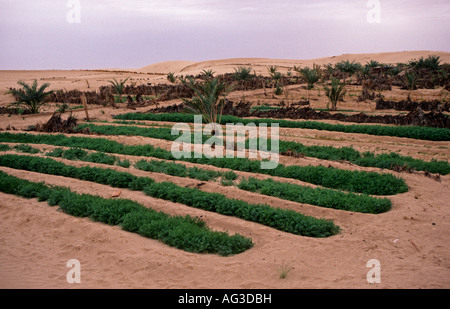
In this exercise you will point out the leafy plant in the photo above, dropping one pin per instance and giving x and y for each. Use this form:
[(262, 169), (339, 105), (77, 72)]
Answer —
[(4, 147), (31, 97), (416, 132), (119, 86), (347, 67), (317, 196), (410, 80), (243, 75), (209, 99), (171, 78), (285, 269), (284, 220), (185, 233), (26, 149), (208, 74), (335, 92), (311, 76)]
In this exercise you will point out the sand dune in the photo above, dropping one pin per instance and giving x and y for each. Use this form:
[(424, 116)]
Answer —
[(260, 64)]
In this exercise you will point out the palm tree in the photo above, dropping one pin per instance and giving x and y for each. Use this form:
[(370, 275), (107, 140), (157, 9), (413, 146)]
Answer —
[(348, 68), (171, 78), (31, 97), (209, 74), (335, 92), (119, 86), (243, 74), (311, 76), (410, 80), (209, 98)]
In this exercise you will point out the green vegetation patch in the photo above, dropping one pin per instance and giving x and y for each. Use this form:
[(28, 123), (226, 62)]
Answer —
[(355, 181), (317, 196), (424, 133), (284, 220), (185, 233)]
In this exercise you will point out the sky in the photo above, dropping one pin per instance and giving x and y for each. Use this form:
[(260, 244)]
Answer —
[(94, 34)]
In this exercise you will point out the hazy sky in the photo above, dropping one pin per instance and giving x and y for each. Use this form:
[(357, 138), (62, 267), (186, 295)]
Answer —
[(89, 34)]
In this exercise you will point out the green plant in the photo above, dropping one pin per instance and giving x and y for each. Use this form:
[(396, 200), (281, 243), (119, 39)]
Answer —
[(410, 80), (317, 196), (119, 86), (208, 100), (26, 149), (415, 132), (185, 233), (243, 75), (123, 163), (363, 182), (311, 76), (208, 74), (284, 220), (348, 68), (335, 92), (4, 147), (432, 62), (171, 77), (278, 90), (285, 269), (30, 96)]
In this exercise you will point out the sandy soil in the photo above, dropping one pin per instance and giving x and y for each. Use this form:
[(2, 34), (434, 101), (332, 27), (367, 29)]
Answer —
[(410, 241)]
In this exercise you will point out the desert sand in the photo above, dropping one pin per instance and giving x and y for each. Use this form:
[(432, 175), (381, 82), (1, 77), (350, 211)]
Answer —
[(411, 241)]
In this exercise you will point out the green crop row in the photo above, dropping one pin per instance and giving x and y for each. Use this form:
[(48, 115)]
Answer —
[(284, 220), (83, 155), (354, 181), (180, 170), (367, 159), (4, 147), (415, 132), (184, 233), (169, 168), (317, 196)]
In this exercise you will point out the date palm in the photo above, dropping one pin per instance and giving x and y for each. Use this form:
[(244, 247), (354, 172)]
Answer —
[(335, 92), (209, 98), (311, 76), (243, 74), (119, 86), (30, 96), (171, 78)]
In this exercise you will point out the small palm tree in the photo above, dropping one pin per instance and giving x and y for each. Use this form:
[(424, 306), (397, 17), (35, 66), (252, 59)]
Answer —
[(348, 68), (182, 79), (171, 78), (410, 80), (209, 99), (119, 86), (311, 76), (335, 92), (31, 97), (243, 74), (209, 74)]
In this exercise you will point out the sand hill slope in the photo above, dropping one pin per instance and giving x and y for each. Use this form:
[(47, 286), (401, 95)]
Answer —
[(260, 64)]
